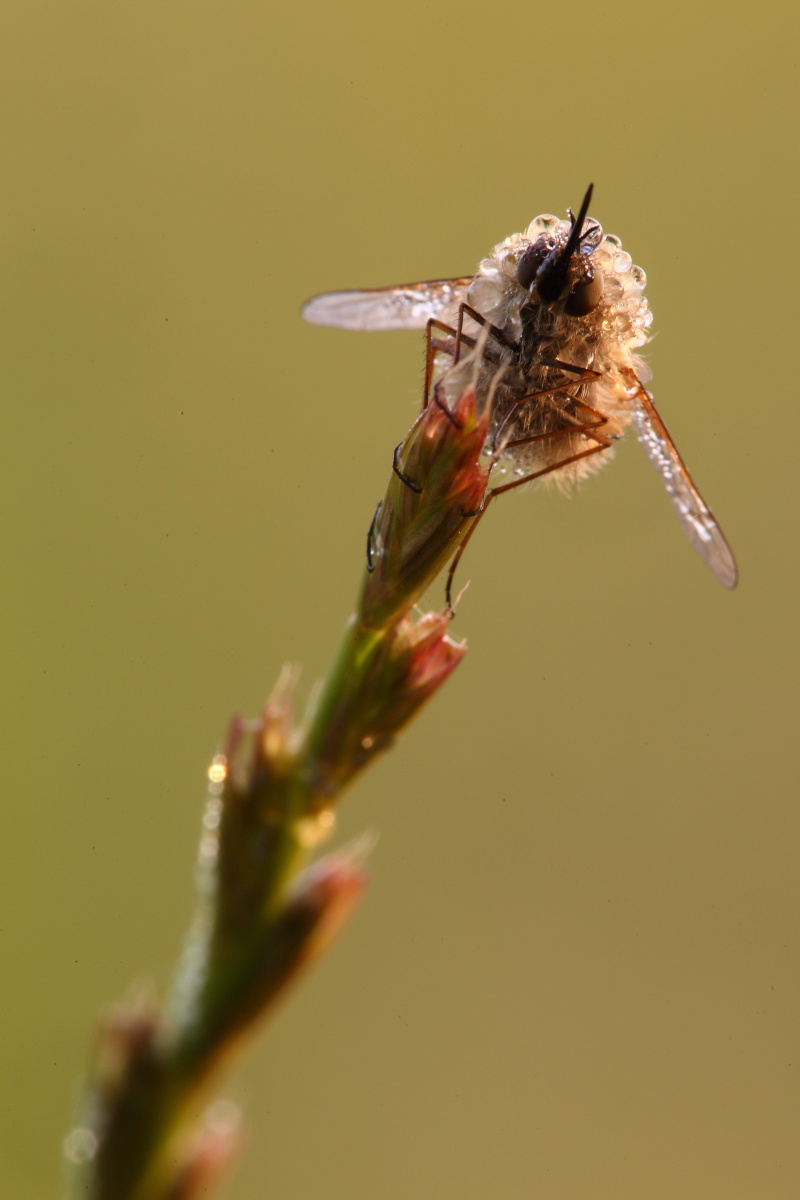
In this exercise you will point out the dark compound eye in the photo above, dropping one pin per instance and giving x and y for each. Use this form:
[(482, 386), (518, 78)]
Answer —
[(585, 296), (531, 259)]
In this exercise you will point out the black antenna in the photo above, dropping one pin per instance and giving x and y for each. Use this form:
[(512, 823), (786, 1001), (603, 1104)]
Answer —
[(552, 275)]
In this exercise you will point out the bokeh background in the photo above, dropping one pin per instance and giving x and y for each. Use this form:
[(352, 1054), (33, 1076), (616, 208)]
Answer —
[(576, 972)]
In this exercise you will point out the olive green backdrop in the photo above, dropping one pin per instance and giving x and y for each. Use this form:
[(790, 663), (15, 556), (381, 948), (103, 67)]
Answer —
[(575, 974)]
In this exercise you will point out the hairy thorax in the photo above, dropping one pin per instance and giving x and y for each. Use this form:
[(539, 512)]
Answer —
[(527, 365)]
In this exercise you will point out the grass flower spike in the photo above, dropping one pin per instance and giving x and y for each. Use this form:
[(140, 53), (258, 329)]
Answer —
[(149, 1129)]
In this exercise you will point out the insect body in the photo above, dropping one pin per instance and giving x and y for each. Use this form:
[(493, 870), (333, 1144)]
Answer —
[(554, 316)]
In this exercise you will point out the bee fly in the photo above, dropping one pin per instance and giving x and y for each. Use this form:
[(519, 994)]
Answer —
[(559, 311)]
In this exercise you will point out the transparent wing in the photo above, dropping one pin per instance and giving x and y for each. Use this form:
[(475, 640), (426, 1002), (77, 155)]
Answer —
[(408, 306), (696, 517)]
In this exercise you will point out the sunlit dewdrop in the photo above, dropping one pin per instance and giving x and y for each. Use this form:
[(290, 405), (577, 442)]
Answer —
[(218, 771), (312, 831)]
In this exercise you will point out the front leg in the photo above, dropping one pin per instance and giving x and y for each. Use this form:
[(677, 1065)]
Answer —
[(434, 346), (479, 319)]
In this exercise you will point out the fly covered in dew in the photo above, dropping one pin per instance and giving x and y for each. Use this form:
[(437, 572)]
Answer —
[(555, 317)]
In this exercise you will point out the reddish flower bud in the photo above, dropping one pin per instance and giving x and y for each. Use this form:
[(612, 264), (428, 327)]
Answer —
[(426, 513)]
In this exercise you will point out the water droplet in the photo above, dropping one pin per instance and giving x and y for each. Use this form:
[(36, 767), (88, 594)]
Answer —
[(311, 831), (208, 849), (80, 1145), (212, 816), (218, 771)]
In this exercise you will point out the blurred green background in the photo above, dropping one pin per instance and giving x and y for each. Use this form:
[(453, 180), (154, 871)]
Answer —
[(576, 971)]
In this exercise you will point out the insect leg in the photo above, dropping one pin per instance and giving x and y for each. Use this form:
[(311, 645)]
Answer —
[(584, 372), (437, 400), (433, 346), (587, 428), (551, 391), (507, 487), (479, 319), (564, 462), (403, 478), (456, 338), (462, 547)]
